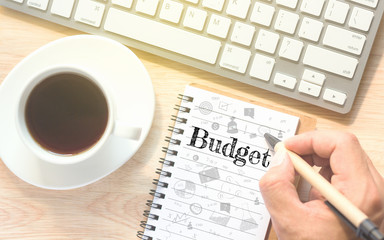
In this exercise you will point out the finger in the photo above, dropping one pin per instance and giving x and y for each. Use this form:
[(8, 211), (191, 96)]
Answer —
[(278, 189), (343, 149), (376, 176), (315, 160), (320, 162)]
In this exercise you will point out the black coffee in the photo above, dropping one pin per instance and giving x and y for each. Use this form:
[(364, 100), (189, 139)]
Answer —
[(66, 113)]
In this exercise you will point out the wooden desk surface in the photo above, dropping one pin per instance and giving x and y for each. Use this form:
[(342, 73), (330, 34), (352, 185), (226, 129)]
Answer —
[(112, 207)]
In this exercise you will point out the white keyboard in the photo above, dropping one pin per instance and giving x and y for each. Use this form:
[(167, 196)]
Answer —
[(311, 50)]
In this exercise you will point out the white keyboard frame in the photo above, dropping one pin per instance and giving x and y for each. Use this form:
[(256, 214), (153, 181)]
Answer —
[(333, 81)]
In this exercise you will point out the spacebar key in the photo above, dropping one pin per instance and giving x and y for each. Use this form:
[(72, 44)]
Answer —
[(330, 61), (161, 35)]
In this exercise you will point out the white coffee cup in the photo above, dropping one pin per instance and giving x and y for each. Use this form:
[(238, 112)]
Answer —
[(32, 138)]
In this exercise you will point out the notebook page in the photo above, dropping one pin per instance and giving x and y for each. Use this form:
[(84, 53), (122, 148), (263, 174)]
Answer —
[(213, 190)]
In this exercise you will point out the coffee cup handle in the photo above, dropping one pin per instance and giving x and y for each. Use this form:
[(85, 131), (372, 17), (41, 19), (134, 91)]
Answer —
[(124, 130)]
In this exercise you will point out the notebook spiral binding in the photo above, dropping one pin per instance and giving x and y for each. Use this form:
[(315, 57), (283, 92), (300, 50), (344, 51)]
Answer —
[(172, 142)]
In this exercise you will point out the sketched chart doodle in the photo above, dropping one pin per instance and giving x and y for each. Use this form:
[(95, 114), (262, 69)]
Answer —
[(249, 112), (190, 227), (195, 158), (185, 189), (280, 134), (225, 206), (247, 222), (215, 126), (263, 130), (223, 106), (195, 208), (257, 201), (205, 108), (220, 218), (232, 126), (229, 189), (209, 175)]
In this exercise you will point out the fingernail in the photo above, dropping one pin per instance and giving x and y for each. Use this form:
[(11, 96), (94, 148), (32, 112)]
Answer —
[(278, 158)]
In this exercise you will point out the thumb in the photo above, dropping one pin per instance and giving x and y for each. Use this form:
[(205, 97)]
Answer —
[(278, 188)]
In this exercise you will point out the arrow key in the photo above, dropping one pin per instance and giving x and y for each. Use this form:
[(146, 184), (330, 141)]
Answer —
[(309, 88), (313, 77), (334, 96), (284, 80)]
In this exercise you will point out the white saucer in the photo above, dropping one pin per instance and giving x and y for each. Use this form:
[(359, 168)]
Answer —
[(131, 88)]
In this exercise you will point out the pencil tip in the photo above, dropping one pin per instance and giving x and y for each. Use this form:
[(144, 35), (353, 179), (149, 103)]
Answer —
[(271, 140)]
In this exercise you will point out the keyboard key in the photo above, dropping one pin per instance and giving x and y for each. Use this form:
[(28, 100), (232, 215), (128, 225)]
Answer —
[(62, 7), (39, 4), (235, 58), (147, 6), (242, 33), (214, 4), (313, 7), (360, 19), (89, 12), (336, 11), (368, 3), (195, 18), (267, 41), (218, 26), (344, 40), (163, 36), (288, 3), (291, 49), (310, 29), (171, 11), (330, 61), (262, 67), (334, 96), (286, 21), (238, 8), (313, 77), (284, 81), (123, 3), (262, 14), (309, 88)]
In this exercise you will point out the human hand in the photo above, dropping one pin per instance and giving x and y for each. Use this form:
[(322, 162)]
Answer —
[(344, 164)]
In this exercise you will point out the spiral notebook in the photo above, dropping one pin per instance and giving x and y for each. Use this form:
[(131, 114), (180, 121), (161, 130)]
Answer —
[(208, 184)]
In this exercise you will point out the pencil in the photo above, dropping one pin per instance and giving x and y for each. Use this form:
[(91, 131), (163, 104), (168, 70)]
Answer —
[(338, 203)]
